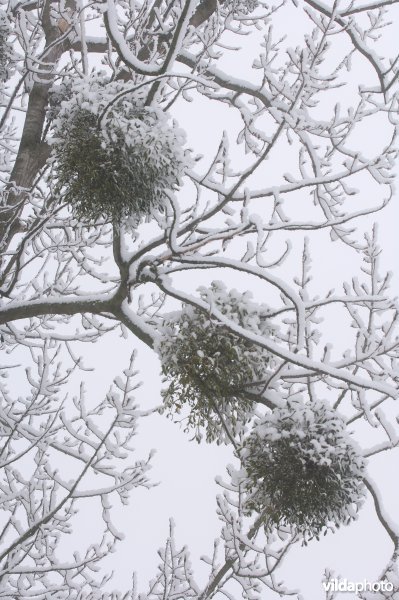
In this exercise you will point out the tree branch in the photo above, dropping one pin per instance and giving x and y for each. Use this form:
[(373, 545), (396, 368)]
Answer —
[(379, 509), (276, 349)]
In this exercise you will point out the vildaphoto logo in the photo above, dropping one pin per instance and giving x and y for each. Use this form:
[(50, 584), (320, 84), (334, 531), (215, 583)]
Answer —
[(343, 585)]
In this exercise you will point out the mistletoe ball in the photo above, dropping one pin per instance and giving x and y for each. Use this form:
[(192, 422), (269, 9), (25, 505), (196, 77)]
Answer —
[(208, 366), (243, 7), (303, 469), (6, 52), (114, 158)]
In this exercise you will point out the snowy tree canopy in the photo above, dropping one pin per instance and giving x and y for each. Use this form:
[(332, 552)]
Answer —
[(211, 181)]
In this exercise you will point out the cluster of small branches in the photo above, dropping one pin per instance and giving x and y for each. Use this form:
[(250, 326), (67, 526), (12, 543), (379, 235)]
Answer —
[(38, 501)]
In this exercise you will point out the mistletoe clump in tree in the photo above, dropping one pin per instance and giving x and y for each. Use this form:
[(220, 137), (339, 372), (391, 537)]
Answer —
[(303, 469), (114, 157), (209, 366), (244, 7), (6, 52)]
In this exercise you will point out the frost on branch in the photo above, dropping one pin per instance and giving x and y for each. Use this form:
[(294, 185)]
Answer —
[(174, 578), (303, 468), (114, 158), (209, 367), (55, 456)]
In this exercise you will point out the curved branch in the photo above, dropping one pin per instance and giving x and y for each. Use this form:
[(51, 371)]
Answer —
[(257, 272), (379, 509), (136, 325), (369, 6), (127, 56), (296, 359)]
